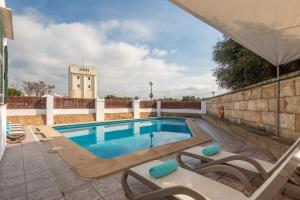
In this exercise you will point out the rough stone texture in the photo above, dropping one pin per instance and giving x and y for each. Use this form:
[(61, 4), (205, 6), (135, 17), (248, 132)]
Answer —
[(297, 86), (292, 104), (297, 121), (272, 105), (255, 106), (268, 92), (116, 116), (148, 114), (68, 119), (27, 120), (268, 118), (287, 88)]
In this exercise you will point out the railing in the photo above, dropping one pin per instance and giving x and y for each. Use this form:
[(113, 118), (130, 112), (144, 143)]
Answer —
[(18, 102), (181, 105), (71, 103), (148, 104), (118, 103)]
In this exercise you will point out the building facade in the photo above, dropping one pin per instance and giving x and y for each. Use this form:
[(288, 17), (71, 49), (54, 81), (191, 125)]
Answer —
[(82, 82), (6, 32)]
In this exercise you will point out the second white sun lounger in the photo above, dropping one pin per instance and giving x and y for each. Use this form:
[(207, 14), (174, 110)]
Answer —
[(263, 168)]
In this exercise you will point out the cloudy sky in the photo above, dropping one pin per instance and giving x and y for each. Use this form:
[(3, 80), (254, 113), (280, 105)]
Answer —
[(131, 43)]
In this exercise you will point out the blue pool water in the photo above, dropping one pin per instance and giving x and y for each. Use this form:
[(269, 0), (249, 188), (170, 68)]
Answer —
[(112, 139)]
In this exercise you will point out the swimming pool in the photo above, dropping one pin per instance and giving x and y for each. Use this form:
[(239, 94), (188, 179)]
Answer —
[(112, 139)]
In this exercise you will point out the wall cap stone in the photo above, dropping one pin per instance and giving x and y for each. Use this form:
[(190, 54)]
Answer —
[(273, 80)]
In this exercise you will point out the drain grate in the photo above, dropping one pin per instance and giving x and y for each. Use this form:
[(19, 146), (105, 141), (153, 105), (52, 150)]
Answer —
[(56, 169), (64, 185)]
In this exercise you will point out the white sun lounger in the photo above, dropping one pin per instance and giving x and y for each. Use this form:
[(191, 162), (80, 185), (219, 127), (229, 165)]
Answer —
[(263, 168), (187, 185)]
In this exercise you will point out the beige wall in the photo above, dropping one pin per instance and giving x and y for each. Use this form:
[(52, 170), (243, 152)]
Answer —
[(117, 116), (27, 120), (69, 119), (255, 106), (148, 114)]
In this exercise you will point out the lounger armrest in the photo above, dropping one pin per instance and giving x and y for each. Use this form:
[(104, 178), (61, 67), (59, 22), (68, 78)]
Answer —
[(232, 171), (158, 192), (249, 160), (195, 156), (262, 172), (265, 151)]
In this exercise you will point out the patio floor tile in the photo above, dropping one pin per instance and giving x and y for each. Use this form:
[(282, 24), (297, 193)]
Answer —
[(87, 193), (38, 175), (10, 173), (45, 194), (33, 186), (4, 183), (12, 192), (116, 196), (107, 186), (23, 197)]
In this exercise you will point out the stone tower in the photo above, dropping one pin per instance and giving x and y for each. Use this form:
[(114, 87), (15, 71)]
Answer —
[(82, 82)]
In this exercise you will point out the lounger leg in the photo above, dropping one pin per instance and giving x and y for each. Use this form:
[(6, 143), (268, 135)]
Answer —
[(128, 192), (181, 163)]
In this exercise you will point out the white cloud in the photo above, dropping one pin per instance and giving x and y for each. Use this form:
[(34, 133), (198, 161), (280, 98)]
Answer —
[(159, 52), (43, 50)]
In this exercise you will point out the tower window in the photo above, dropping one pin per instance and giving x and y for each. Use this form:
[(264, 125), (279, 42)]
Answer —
[(89, 78), (78, 77), (78, 85), (89, 86)]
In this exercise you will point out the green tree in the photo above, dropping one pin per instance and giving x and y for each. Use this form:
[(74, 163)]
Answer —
[(238, 67), (190, 98), (13, 92)]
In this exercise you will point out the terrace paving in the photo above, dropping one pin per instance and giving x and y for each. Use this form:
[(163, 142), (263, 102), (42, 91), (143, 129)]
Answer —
[(29, 172)]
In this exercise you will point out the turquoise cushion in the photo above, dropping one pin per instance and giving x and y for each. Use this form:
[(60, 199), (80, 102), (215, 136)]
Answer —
[(164, 169), (211, 150)]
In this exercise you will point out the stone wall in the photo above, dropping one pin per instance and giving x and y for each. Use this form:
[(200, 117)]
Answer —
[(148, 114), (117, 116), (252, 137), (27, 120), (255, 106), (69, 119)]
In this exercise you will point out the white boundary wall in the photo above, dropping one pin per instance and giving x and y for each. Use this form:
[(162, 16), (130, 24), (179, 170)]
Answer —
[(3, 109), (100, 110), (25, 112), (2, 129)]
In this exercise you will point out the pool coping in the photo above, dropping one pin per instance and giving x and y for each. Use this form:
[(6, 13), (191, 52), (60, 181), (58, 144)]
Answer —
[(86, 165)]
